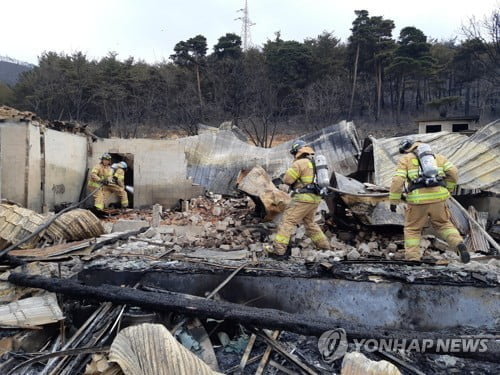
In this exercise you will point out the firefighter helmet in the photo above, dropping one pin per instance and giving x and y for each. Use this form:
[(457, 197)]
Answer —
[(405, 145), (296, 146), (123, 165), (106, 156)]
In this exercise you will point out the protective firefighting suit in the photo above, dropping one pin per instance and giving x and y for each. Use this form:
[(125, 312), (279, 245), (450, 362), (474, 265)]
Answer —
[(112, 183), (424, 202), (303, 206)]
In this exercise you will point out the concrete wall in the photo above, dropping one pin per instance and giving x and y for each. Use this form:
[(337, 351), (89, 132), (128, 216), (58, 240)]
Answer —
[(65, 166), (20, 159), (13, 153), (40, 170), (160, 169)]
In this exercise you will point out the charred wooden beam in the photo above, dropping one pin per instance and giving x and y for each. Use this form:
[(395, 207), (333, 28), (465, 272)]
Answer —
[(251, 316)]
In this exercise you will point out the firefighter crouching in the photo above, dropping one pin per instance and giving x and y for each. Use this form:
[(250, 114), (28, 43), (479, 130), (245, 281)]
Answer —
[(108, 181), (426, 197), (303, 205)]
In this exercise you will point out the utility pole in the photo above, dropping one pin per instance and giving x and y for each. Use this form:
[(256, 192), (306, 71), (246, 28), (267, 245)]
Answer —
[(245, 27)]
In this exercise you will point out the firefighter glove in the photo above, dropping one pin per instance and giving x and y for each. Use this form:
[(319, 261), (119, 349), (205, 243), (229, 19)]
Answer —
[(393, 207)]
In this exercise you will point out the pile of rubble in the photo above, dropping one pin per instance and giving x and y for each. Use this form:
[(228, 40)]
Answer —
[(230, 224)]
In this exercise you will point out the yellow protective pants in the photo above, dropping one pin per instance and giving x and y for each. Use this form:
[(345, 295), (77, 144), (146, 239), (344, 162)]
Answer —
[(416, 218), (295, 213), (101, 195)]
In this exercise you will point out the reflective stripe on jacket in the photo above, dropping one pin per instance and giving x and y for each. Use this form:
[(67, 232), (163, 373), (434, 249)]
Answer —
[(98, 174), (407, 171), (300, 174)]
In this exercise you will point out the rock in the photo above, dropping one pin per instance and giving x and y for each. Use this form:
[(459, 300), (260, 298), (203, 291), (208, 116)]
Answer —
[(225, 247), (166, 229), (296, 252), (300, 233), (425, 243), (196, 219), (311, 258), (373, 245), (356, 363), (392, 247), (305, 253), (363, 249), (339, 254), (221, 226), (150, 233), (217, 211), (306, 242), (353, 255), (255, 247)]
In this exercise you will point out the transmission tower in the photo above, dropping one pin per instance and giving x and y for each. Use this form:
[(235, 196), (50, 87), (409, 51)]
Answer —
[(245, 27)]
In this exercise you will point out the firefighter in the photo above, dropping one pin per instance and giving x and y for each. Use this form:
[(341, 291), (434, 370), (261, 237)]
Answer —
[(425, 200), (118, 184), (304, 203), (101, 178)]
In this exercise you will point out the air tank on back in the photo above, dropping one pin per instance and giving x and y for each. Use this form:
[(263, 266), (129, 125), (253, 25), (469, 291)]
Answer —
[(427, 160), (322, 174)]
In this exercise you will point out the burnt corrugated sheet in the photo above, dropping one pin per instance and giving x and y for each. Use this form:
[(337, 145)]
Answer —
[(214, 160), (477, 157)]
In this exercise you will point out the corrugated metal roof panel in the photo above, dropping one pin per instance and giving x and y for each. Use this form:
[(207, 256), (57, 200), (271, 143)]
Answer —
[(477, 157), (214, 160)]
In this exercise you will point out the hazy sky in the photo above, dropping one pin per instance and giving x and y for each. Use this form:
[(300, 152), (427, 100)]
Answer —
[(149, 29)]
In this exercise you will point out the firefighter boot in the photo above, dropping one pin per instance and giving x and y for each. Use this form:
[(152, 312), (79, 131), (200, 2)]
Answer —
[(464, 254), (272, 253)]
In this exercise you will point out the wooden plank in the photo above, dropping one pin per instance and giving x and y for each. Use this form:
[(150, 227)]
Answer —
[(248, 350), (51, 251), (267, 353)]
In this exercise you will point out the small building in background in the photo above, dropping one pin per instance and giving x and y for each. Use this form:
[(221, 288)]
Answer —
[(466, 124)]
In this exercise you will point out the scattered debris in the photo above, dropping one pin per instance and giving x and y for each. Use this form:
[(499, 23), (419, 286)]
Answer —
[(198, 271)]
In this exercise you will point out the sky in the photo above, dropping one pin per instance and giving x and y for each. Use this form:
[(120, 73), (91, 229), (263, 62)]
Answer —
[(149, 29)]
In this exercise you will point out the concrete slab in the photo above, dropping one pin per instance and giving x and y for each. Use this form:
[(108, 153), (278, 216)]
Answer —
[(129, 225)]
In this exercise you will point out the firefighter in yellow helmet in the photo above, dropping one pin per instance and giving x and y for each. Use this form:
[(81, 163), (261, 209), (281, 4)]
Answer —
[(426, 198), (101, 178), (303, 205)]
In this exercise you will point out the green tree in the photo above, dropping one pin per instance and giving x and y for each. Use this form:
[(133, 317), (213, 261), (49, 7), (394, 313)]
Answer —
[(467, 69), (191, 53), (225, 73), (327, 56), (289, 66), (228, 46), (369, 48), (411, 60)]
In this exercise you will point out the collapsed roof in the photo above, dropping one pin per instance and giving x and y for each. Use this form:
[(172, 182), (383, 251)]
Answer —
[(214, 160), (476, 157)]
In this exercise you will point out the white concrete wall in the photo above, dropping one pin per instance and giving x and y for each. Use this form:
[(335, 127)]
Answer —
[(65, 166), (13, 152)]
